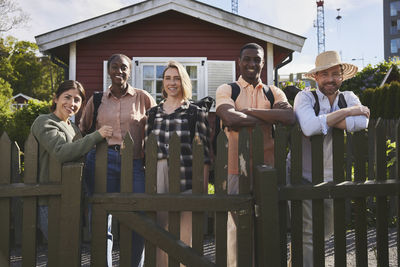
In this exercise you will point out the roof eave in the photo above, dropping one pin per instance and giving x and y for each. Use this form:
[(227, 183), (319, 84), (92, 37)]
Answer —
[(147, 9)]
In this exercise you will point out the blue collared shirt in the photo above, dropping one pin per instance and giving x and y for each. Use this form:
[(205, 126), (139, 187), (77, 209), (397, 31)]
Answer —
[(313, 125)]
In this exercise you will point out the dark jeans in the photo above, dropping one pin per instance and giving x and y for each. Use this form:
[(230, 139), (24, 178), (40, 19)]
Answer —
[(113, 185)]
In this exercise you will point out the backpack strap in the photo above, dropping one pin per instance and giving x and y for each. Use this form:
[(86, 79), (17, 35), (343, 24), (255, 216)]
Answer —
[(316, 105), (192, 119), (269, 95), (96, 103), (341, 102), (235, 91), (150, 119)]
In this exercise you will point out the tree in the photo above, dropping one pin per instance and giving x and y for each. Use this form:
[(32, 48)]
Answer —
[(370, 77), (26, 72), (11, 15)]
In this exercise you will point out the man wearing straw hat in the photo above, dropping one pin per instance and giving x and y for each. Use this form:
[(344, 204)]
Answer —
[(337, 109)]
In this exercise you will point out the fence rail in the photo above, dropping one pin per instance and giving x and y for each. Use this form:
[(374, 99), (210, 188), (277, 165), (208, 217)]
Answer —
[(360, 174)]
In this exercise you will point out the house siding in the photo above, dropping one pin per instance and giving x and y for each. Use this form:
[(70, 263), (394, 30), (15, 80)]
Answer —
[(169, 34)]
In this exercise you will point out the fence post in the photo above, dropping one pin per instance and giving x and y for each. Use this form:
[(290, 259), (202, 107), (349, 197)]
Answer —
[(5, 178), (70, 219), (267, 217), (360, 209), (244, 217), (151, 188), (281, 144), (221, 174), (125, 234), (381, 202), (398, 178), (339, 204), (30, 204)]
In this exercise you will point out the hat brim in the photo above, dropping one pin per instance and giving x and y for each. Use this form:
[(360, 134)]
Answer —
[(349, 70)]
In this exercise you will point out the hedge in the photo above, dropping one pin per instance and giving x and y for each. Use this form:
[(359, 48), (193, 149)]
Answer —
[(383, 101)]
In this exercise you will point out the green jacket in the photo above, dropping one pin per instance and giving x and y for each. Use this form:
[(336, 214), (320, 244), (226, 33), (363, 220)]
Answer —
[(61, 140)]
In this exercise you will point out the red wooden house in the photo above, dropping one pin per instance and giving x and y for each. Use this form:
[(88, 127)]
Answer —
[(205, 39)]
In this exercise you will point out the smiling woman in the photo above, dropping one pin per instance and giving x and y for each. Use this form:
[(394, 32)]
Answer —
[(175, 114), (124, 108), (59, 138)]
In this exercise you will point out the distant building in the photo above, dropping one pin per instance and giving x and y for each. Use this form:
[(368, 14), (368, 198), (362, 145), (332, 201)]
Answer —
[(391, 28), (20, 100)]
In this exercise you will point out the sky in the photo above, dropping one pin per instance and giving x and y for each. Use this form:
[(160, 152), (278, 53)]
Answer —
[(358, 35)]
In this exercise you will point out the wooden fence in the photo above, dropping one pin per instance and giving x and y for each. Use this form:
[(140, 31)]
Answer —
[(64, 197), (261, 204)]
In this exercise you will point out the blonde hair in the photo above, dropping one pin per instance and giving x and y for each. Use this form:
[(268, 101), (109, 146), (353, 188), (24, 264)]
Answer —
[(185, 79)]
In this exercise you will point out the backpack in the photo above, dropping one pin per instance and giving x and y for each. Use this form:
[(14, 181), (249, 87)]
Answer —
[(204, 104), (96, 103), (234, 94), (341, 102)]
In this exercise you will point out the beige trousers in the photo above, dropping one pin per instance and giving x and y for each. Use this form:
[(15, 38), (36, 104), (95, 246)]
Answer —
[(162, 216)]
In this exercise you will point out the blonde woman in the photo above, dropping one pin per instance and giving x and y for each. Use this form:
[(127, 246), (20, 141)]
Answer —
[(176, 114)]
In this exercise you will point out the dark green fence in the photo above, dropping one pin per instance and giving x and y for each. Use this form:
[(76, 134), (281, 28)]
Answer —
[(261, 205)]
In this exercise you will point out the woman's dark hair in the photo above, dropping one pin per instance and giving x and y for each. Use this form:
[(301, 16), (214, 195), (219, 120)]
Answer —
[(68, 85), (118, 56)]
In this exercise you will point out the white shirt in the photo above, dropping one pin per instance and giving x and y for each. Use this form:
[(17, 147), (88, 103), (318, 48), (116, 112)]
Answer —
[(313, 125)]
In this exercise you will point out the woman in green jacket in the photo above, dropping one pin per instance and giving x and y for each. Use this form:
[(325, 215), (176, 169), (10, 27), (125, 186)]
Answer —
[(59, 138)]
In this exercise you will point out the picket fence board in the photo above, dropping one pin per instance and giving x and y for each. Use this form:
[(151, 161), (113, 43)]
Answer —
[(220, 186), (55, 174), (5, 179), (151, 189), (339, 206), (296, 225), (29, 216), (381, 201), (125, 234)]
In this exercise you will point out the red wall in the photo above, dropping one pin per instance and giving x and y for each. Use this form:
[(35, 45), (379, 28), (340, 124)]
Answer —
[(170, 34)]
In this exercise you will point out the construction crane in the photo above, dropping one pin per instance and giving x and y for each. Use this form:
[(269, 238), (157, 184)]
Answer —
[(234, 4), (320, 26)]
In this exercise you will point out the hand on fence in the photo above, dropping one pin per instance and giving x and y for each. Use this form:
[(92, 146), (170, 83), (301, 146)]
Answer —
[(106, 131)]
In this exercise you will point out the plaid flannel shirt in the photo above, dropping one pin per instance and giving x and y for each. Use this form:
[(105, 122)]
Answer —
[(165, 125)]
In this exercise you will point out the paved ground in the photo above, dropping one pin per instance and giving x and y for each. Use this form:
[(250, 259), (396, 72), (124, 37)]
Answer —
[(209, 251)]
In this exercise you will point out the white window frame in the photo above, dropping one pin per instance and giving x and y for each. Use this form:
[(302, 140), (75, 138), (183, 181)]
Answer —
[(200, 62)]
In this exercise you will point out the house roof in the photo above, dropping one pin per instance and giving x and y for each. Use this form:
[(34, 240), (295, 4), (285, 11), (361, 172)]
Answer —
[(150, 8), (23, 96)]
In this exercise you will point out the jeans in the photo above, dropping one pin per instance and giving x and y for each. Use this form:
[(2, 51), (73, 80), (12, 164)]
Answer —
[(113, 185)]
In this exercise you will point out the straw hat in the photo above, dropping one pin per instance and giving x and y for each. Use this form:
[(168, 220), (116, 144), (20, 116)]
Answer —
[(330, 59)]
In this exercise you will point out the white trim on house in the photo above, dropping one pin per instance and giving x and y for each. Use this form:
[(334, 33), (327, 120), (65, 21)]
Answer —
[(270, 63), (72, 61), (24, 96), (150, 8)]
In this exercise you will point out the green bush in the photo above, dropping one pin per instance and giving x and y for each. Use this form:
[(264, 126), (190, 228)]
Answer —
[(17, 124), (383, 101), (371, 77)]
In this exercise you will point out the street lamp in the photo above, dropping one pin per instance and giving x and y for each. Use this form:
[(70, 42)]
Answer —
[(362, 60)]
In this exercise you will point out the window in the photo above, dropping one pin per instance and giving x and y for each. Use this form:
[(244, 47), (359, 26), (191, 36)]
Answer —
[(394, 45), (206, 75), (148, 73), (394, 8), (394, 27), (152, 79)]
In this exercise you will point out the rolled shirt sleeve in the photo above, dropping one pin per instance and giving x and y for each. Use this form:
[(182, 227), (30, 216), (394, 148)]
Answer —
[(354, 123)]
